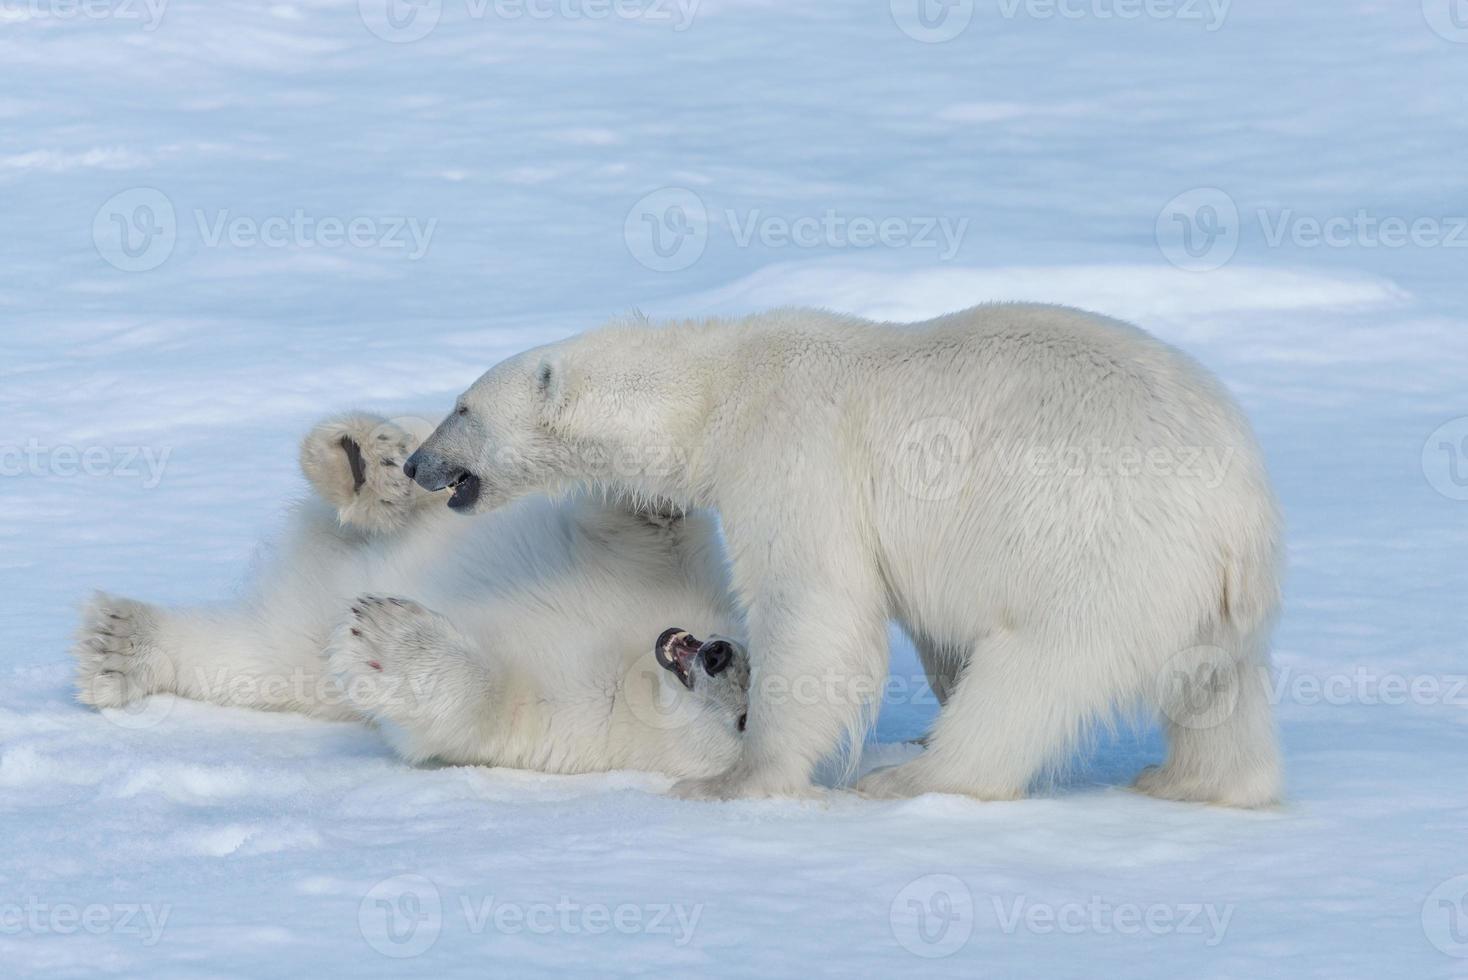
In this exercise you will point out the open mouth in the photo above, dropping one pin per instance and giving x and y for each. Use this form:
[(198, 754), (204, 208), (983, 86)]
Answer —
[(465, 492), (677, 650)]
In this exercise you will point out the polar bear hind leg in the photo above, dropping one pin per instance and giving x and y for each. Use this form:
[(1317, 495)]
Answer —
[(119, 655), (1020, 704), (1222, 744), (413, 673)]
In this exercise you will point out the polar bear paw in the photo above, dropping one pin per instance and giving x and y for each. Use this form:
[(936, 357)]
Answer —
[(118, 657), (743, 783), (1166, 785), (1250, 790), (356, 463), (918, 777), (396, 660)]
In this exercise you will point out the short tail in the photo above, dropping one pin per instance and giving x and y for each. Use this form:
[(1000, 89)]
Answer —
[(1252, 578)]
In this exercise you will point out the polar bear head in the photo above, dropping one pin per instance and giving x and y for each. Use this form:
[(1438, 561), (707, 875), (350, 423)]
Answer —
[(715, 670), (617, 408)]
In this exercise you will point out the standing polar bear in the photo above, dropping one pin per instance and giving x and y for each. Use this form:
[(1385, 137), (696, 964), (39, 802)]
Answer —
[(1066, 515), (525, 638)]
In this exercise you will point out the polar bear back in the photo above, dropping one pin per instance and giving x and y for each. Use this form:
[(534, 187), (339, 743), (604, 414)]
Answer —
[(1009, 462)]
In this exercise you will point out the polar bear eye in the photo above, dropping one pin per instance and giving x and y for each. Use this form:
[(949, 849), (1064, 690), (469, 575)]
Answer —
[(462, 410)]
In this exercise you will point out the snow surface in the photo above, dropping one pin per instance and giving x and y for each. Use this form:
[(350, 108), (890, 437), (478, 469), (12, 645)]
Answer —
[(194, 841)]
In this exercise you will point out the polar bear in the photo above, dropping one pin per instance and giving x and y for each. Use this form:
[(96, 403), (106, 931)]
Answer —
[(528, 641), (1068, 517)]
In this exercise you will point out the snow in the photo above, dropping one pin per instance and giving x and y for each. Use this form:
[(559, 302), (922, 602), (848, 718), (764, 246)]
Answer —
[(190, 841)]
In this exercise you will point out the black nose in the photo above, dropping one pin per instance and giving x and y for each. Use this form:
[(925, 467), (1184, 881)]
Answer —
[(430, 473), (716, 656)]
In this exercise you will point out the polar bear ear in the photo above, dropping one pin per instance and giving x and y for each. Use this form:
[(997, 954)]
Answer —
[(550, 382)]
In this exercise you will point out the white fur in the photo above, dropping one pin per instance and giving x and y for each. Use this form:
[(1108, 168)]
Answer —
[(526, 641), (1042, 601)]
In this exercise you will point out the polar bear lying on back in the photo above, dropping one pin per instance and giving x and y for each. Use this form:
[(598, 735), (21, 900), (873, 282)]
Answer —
[(1021, 487), (528, 640)]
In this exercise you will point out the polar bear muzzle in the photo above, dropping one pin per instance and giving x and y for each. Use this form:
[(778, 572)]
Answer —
[(680, 651), (432, 474), (715, 671)]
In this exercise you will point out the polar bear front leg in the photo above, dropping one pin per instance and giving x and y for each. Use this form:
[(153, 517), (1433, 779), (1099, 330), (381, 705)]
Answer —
[(355, 462), (818, 651), (410, 670)]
